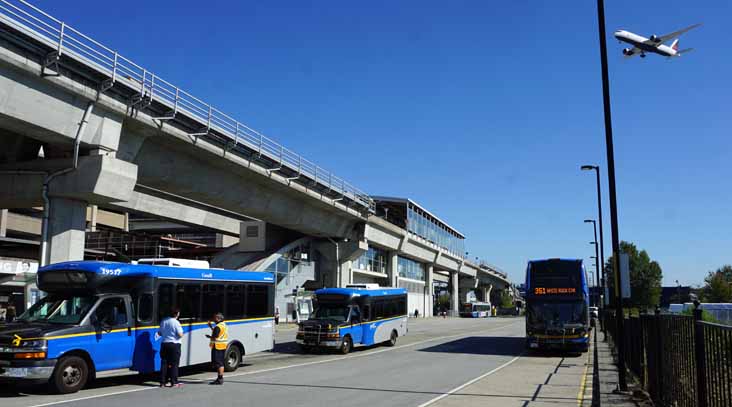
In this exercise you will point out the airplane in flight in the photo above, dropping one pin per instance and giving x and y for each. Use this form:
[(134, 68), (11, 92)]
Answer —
[(654, 44)]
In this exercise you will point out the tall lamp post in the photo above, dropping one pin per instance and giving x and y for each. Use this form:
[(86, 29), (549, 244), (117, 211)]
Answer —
[(603, 277), (597, 262), (622, 382)]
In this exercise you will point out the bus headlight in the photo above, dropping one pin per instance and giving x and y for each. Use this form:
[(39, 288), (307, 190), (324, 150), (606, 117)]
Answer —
[(34, 344)]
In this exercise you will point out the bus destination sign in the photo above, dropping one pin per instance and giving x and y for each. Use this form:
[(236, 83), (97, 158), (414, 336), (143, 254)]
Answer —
[(552, 290)]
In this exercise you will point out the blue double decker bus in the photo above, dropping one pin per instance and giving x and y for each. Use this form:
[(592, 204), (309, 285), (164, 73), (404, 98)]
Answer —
[(557, 305), (102, 317), (354, 316)]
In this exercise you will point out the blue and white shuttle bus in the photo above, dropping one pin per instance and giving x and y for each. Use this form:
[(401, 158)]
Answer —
[(102, 317), (475, 310), (348, 317), (557, 305)]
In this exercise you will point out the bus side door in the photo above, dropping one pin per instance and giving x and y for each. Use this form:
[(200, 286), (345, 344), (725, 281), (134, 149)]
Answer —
[(356, 325), (113, 343)]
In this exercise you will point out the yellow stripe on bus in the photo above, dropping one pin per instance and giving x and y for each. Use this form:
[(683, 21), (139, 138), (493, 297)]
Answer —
[(48, 338)]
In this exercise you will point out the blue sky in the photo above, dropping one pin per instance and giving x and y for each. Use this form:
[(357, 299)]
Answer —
[(480, 111)]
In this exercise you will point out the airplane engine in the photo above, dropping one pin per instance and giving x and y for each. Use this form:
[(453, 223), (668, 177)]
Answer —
[(627, 52), (654, 38)]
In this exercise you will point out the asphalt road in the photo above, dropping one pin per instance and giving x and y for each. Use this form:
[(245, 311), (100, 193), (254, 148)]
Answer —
[(435, 358)]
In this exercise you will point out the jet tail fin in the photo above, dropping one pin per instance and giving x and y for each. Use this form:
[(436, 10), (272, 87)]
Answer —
[(675, 45)]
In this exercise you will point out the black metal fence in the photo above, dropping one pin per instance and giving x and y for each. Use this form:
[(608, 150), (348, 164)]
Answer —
[(680, 360)]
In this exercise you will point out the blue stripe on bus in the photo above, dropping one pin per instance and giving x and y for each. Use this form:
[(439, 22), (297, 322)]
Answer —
[(114, 269)]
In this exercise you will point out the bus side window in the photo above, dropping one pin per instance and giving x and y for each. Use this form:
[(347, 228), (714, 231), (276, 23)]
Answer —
[(188, 300), (391, 308), (235, 308), (112, 312), (402, 306), (213, 300), (165, 300), (257, 300), (366, 315), (145, 308), (378, 307)]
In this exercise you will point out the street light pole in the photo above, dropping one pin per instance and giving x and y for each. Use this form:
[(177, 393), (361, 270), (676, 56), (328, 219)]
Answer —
[(619, 341), (597, 263), (603, 277)]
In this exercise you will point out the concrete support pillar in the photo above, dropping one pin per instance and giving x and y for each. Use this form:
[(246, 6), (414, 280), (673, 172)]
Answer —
[(393, 269), (66, 230), (454, 294), (225, 241), (3, 222), (429, 294), (487, 294), (346, 273), (93, 215)]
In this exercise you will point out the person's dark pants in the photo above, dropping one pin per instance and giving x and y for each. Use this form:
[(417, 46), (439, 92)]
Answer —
[(169, 356), (217, 358)]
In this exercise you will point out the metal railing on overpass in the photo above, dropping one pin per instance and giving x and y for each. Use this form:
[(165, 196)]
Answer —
[(65, 41)]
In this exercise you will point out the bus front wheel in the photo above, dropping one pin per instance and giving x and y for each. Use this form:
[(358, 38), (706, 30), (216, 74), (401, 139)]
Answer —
[(233, 359), (346, 345), (70, 375)]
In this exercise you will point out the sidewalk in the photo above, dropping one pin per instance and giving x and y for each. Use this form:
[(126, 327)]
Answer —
[(537, 379), (609, 378)]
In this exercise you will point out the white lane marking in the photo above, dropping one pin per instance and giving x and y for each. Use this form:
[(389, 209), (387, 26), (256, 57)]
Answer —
[(462, 386), (316, 362), (92, 397)]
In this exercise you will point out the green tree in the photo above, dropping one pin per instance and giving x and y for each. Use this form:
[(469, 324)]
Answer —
[(645, 276), (718, 285), (506, 299)]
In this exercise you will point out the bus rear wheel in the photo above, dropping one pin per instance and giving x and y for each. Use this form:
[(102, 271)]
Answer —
[(70, 375), (392, 340), (233, 359), (347, 345)]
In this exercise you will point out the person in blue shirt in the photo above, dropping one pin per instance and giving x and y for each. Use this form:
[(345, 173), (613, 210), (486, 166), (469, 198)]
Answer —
[(171, 332)]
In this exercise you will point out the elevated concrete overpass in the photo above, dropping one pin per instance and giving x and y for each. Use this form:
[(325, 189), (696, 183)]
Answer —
[(118, 126), (83, 126)]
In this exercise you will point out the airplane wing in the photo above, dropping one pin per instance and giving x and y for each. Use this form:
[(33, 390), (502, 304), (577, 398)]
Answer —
[(663, 38)]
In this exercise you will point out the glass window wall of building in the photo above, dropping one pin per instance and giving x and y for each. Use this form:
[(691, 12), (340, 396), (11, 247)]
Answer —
[(411, 269), (434, 231), (289, 260), (374, 259)]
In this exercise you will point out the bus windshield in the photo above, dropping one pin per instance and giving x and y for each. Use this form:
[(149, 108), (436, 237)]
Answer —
[(556, 314), (336, 312), (59, 309)]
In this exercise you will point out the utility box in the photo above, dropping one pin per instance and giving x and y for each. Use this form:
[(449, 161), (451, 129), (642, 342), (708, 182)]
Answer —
[(252, 236)]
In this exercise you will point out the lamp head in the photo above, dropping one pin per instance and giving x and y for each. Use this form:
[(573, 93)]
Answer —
[(588, 167), (589, 221)]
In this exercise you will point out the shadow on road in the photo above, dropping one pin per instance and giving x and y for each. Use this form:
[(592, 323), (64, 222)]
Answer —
[(8, 390), (403, 391), (482, 345)]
